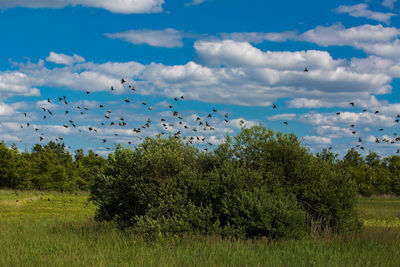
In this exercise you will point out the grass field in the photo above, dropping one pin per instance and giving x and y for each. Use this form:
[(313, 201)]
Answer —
[(57, 229)]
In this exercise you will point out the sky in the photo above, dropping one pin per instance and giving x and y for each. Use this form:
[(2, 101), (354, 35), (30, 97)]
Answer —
[(237, 57)]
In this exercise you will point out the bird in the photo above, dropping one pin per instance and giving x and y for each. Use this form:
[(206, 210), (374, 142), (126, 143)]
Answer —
[(182, 97), (285, 122), (87, 92), (352, 104), (112, 88), (305, 69), (122, 81), (338, 113), (273, 106)]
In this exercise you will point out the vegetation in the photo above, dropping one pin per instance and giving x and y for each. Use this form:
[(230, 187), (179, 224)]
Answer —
[(257, 184), (57, 229), (372, 174), (48, 167)]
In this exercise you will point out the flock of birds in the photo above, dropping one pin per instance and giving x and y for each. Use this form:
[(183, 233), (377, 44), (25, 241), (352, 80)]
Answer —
[(202, 124)]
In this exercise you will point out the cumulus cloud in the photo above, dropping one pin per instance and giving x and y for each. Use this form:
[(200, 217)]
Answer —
[(6, 110), (244, 54), (332, 131), (169, 38), (361, 119), (17, 83), (361, 10), (372, 39), (115, 6), (356, 36), (375, 64), (64, 59), (227, 72)]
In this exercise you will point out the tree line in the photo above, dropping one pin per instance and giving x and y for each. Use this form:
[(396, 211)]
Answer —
[(373, 174), (48, 167), (52, 167)]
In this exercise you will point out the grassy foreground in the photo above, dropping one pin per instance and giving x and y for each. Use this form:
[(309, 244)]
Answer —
[(57, 229)]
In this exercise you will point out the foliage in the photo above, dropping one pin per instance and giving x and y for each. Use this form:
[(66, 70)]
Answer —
[(373, 175), (48, 167), (257, 184)]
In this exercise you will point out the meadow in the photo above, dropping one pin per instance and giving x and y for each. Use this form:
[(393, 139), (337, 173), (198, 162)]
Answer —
[(57, 229)]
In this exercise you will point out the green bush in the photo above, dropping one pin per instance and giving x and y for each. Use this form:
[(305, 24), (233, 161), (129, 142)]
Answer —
[(257, 184)]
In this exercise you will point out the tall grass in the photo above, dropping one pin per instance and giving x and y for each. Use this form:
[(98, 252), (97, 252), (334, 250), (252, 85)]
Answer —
[(56, 229)]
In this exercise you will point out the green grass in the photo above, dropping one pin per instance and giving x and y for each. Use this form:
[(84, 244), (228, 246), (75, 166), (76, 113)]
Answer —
[(57, 229)]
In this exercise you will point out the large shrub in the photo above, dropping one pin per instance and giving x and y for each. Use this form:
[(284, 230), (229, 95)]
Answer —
[(256, 184)]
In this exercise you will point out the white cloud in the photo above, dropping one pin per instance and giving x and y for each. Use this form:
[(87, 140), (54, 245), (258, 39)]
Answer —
[(16, 83), (286, 116), (244, 54), (259, 37), (346, 118), (375, 64), (234, 73), (169, 38), (64, 59), (389, 3), (317, 139), (237, 123), (6, 110), (309, 103), (333, 131), (115, 6), (372, 39), (361, 10), (355, 36), (195, 2)]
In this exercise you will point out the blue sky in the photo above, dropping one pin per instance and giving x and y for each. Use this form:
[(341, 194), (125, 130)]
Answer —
[(238, 57)]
